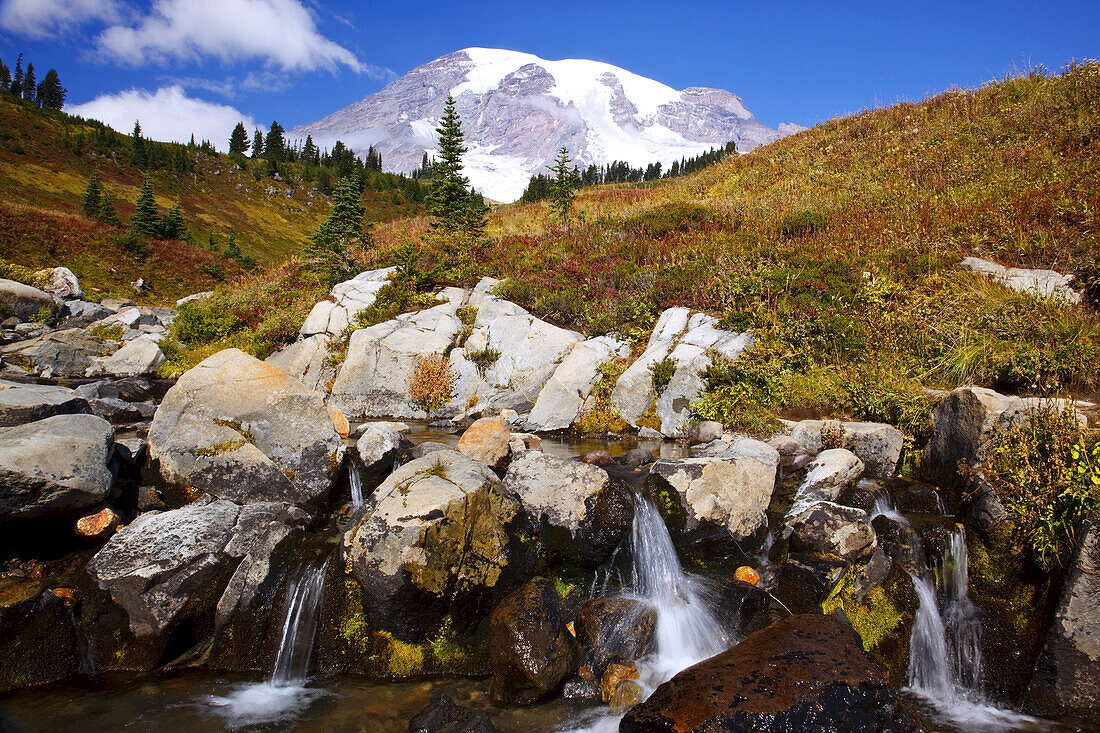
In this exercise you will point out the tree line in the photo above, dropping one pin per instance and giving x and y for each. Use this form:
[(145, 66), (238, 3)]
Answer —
[(23, 84)]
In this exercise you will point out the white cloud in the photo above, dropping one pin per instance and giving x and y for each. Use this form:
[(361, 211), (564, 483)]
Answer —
[(166, 114), (281, 33), (45, 18)]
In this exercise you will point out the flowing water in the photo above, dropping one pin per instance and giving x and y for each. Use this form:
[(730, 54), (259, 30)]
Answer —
[(945, 660), (355, 479), (285, 693)]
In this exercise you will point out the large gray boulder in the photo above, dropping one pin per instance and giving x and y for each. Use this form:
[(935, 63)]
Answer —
[(434, 528), (346, 301), (139, 356), (1067, 675), (379, 445), (1040, 283), (167, 565), (826, 528), (24, 403), (965, 420), (553, 489), (689, 339), (877, 445), (56, 466), (826, 477), (66, 353), (237, 428), (567, 394), (731, 490), (306, 360), (24, 301)]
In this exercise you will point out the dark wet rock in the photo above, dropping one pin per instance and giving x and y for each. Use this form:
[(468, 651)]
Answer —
[(916, 497), (38, 641), (900, 543), (615, 630), (982, 508), (530, 649), (804, 581), (149, 499), (831, 529), (862, 495), (581, 689), (237, 428), (806, 673), (637, 457), (115, 410), (54, 467), (24, 403), (444, 716), (1067, 676)]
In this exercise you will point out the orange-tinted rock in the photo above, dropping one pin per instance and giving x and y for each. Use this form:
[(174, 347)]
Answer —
[(486, 441), (98, 525), (746, 575), (614, 674), (597, 457), (615, 630), (627, 695), (343, 429), (70, 596)]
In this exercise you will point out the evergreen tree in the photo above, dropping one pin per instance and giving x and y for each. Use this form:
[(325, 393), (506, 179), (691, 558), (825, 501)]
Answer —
[(257, 143), (53, 94), (146, 218), (172, 226), (449, 200), (107, 213), (329, 252), (30, 84), (274, 144), (93, 199), (562, 187), (17, 79), (139, 156), (238, 139), (310, 154), (5, 77), (232, 250)]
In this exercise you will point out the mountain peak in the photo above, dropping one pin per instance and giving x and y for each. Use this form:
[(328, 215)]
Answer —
[(518, 109)]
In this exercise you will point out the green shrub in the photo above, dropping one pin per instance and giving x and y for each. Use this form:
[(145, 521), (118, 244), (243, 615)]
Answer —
[(662, 372), (392, 300), (483, 359), (205, 321), (666, 219), (21, 274), (113, 333), (132, 243), (801, 224)]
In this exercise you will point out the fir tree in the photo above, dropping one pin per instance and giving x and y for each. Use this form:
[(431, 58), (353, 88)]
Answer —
[(53, 94), (30, 84), (232, 250), (17, 79), (257, 143), (449, 200), (562, 187), (238, 139), (274, 144), (139, 156), (172, 227), (93, 198), (146, 218), (329, 252), (5, 77), (310, 154), (107, 213)]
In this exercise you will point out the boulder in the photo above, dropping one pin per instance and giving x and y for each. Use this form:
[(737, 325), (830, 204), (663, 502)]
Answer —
[(878, 445), (434, 529), (806, 673), (731, 491), (1040, 283), (689, 339), (38, 636), (826, 477), (443, 716), (1066, 682), (140, 356), (85, 312), (240, 429), (637, 457), (307, 360), (339, 309), (24, 403), (964, 421), (65, 353), (379, 445), (705, 432), (24, 301), (115, 411), (60, 282), (615, 630), (566, 395), (98, 525), (597, 457), (56, 466), (428, 447), (486, 441), (530, 649), (831, 529)]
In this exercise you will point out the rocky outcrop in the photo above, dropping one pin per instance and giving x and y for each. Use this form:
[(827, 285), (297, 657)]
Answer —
[(56, 466), (65, 353), (1040, 283), (826, 528), (731, 491), (688, 339), (1067, 675), (346, 301), (139, 356), (24, 301), (807, 673), (433, 530), (878, 445), (24, 403), (237, 428), (566, 394), (38, 636), (530, 649)]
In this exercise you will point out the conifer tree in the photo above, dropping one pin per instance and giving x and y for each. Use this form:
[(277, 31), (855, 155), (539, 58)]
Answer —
[(329, 252), (238, 139), (274, 144), (257, 143), (562, 187), (138, 154), (5, 77), (310, 154), (449, 200), (172, 226), (17, 79), (53, 94), (232, 250), (146, 218), (30, 84), (107, 213), (93, 198)]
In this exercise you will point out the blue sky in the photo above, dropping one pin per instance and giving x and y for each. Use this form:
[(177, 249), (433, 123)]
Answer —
[(197, 64)]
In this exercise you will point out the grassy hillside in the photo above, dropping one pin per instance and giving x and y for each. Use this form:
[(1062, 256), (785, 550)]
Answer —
[(839, 247), (47, 159)]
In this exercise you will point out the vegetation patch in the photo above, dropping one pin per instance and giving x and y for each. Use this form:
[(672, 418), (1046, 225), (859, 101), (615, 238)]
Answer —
[(483, 359), (432, 382)]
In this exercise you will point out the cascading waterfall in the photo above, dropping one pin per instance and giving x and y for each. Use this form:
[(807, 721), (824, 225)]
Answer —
[(945, 661), (284, 693), (356, 480)]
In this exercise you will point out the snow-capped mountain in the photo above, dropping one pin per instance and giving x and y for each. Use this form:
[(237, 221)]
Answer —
[(517, 110)]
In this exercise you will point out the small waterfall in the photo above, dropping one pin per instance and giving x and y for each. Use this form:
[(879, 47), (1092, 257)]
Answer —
[(299, 629), (945, 660), (356, 480), (884, 507)]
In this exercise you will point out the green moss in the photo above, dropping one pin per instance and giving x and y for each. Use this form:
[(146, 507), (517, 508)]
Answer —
[(114, 333), (403, 660), (563, 587), (217, 449)]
